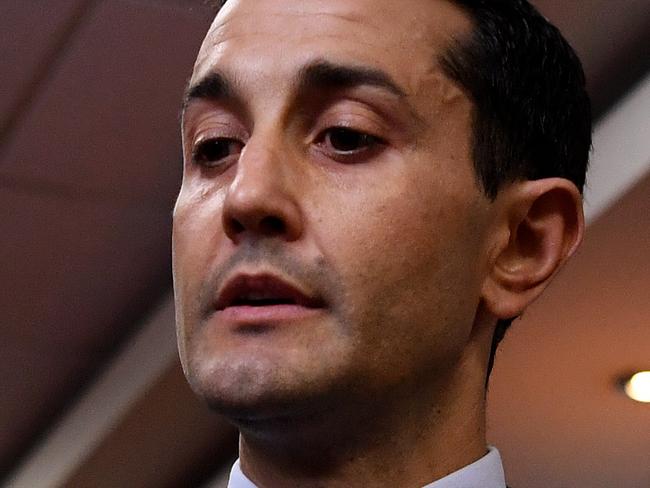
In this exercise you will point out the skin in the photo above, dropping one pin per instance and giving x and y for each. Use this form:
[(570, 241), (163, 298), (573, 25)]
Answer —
[(413, 263)]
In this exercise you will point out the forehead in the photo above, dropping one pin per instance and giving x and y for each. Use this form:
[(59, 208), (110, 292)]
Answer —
[(274, 36)]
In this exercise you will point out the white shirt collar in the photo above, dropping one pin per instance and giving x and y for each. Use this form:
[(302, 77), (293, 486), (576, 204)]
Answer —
[(238, 479), (487, 472)]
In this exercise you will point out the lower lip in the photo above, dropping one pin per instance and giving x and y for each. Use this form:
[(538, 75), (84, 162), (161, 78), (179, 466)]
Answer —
[(267, 314)]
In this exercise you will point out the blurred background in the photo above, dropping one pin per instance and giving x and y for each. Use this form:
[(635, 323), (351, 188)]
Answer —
[(91, 392)]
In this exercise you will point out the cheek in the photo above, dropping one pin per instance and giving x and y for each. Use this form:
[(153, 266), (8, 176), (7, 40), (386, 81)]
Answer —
[(195, 242), (408, 253), (197, 221)]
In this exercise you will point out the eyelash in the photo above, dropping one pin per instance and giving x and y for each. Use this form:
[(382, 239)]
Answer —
[(214, 152), (203, 153), (365, 144)]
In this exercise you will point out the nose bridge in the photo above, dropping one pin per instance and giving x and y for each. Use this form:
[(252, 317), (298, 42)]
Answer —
[(261, 199), (260, 167)]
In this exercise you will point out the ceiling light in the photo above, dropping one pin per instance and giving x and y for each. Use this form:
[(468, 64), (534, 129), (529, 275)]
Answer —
[(637, 386)]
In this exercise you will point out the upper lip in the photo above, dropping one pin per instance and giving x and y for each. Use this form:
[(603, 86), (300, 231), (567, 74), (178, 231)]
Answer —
[(243, 288)]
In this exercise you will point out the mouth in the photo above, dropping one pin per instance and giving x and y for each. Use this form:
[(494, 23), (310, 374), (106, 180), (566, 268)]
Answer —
[(264, 297)]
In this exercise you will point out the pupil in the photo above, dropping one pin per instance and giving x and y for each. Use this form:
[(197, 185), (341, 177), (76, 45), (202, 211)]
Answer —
[(345, 140), (215, 150)]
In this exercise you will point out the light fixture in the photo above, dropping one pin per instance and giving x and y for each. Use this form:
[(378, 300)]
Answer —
[(637, 386)]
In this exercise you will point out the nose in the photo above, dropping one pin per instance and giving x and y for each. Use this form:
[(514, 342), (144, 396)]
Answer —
[(262, 199)]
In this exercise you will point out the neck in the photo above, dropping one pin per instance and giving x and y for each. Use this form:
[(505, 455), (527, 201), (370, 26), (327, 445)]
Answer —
[(412, 441)]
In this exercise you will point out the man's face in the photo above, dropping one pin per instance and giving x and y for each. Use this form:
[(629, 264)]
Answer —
[(329, 233)]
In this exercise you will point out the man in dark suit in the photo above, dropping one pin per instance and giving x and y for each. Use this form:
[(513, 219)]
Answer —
[(372, 191)]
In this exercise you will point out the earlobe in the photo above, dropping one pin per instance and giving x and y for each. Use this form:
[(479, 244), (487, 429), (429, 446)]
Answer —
[(539, 226)]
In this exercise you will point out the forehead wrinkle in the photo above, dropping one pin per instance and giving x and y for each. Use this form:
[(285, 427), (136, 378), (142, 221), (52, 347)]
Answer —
[(217, 35), (349, 16), (220, 24), (345, 17)]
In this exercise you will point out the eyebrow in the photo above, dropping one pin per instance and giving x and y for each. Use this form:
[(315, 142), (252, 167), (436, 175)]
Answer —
[(316, 75), (325, 74), (213, 86)]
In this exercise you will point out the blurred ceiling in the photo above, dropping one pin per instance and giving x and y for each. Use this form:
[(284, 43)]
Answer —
[(89, 168)]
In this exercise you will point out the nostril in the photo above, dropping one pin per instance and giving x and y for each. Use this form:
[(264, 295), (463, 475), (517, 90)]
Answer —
[(271, 225), (267, 226), (236, 226)]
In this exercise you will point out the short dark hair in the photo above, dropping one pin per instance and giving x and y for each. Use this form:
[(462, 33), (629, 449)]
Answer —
[(532, 113)]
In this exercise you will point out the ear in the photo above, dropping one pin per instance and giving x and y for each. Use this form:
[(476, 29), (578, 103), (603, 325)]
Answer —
[(539, 225)]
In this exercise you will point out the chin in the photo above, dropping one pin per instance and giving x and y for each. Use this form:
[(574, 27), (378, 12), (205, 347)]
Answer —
[(269, 384), (266, 372)]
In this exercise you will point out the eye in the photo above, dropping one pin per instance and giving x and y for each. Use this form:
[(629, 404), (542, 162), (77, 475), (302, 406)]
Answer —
[(212, 152), (342, 141)]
